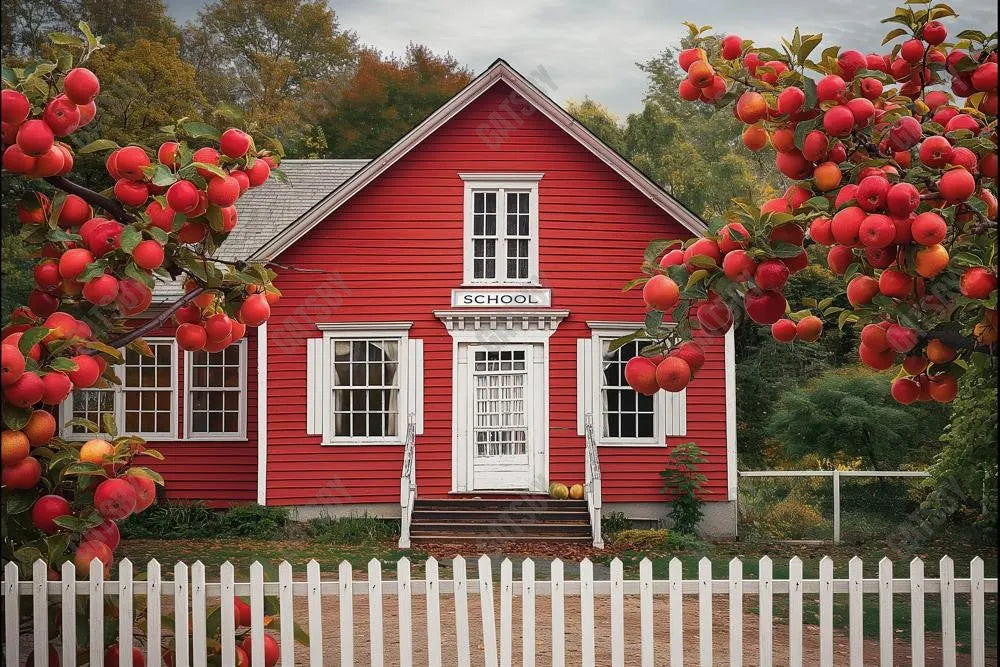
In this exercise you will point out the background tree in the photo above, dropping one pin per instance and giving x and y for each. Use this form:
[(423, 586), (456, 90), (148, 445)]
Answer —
[(848, 415), (385, 99)]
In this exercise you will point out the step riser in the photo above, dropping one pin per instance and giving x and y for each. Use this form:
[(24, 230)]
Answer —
[(420, 516), (493, 505), (511, 532), (481, 539)]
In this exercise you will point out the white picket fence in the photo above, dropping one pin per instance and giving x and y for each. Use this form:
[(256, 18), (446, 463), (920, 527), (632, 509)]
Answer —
[(190, 595)]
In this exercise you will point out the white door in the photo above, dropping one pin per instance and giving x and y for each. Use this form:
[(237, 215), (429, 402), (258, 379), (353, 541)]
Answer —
[(503, 420)]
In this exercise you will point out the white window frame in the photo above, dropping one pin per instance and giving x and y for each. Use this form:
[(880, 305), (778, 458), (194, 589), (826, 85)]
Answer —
[(501, 183), (66, 409), (355, 332), (608, 331), (239, 435)]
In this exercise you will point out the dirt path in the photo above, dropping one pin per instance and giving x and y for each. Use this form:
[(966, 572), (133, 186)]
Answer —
[(602, 614)]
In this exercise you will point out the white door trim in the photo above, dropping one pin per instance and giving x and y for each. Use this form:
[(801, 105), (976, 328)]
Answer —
[(485, 327)]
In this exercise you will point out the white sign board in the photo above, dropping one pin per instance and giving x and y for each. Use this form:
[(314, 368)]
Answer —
[(501, 298)]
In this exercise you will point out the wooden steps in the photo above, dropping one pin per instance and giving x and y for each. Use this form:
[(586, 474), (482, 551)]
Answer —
[(479, 519)]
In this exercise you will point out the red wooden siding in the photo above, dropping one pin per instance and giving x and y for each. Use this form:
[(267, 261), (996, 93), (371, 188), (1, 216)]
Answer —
[(219, 472), (394, 253)]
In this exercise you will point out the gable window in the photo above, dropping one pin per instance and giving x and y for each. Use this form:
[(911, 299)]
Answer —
[(621, 415), (215, 393), (144, 404), (365, 381), (501, 229)]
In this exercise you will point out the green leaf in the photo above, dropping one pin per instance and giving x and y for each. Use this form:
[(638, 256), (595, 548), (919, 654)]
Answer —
[(197, 130), (18, 501), (104, 348), (109, 424), (655, 248), (27, 556), (654, 320), (63, 364), (84, 468), (630, 285), (893, 34), (158, 235), (30, 338), (786, 250), (98, 145), (93, 270), (696, 277), (82, 423), (134, 272), (130, 238), (974, 35), (139, 471), (809, 43), (818, 203), (809, 88), (213, 169), (162, 176), (62, 39)]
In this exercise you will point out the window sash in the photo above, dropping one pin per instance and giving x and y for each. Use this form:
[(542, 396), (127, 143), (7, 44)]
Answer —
[(502, 235), (641, 410), (130, 398), (207, 402), (364, 389)]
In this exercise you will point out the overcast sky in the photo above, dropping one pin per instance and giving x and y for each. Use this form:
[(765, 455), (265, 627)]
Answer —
[(590, 48)]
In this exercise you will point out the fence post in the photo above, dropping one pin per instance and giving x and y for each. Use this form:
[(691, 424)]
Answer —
[(795, 612), (705, 611), (617, 614), (977, 609), (227, 611), (180, 615), (405, 614), (154, 649), (765, 593), (433, 600), (345, 584), (558, 618), (836, 507), (97, 613), (125, 613), (586, 613), (315, 603), (947, 578), (676, 614), (917, 612), (506, 612), (885, 629), (69, 614), (11, 615), (460, 575), (199, 617), (286, 614), (646, 611), (486, 605), (528, 612), (735, 612), (855, 610), (40, 609), (826, 611)]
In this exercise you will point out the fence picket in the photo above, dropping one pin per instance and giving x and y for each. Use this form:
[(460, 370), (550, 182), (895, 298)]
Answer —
[(404, 598), (96, 613), (855, 612), (705, 612), (885, 629), (646, 611), (736, 613), (125, 613), (286, 614), (460, 575), (528, 613), (314, 596), (795, 612), (486, 605), (506, 611), (587, 613), (345, 585), (676, 614), (227, 611), (256, 614), (917, 612), (11, 615), (182, 650), (558, 615), (40, 609), (826, 611), (68, 578), (947, 576), (154, 614), (617, 613), (433, 596), (977, 609), (199, 616), (765, 595)]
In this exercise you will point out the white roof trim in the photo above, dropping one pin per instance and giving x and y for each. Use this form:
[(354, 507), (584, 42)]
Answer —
[(499, 71)]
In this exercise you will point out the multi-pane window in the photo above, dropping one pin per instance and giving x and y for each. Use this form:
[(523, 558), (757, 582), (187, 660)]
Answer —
[(625, 413), (143, 404), (365, 385), (216, 396), (500, 423), (501, 227)]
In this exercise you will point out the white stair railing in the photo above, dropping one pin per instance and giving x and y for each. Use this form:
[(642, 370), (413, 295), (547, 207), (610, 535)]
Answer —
[(592, 488), (408, 483)]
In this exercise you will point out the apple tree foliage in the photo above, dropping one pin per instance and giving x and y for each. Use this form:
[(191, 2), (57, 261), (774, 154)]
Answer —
[(97, 258)]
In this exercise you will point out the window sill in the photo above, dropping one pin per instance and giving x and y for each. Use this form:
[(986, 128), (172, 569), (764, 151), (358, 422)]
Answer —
[(496, 285), (631, 444), (222, 437), (365, 443)]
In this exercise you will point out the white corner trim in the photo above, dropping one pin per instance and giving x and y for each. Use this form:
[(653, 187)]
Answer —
[(262, 414), (730, 359), (502, 176), (498, 71), (364, 328)]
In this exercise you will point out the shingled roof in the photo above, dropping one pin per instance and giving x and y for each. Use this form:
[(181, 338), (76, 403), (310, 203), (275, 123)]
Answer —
[(265, 211)]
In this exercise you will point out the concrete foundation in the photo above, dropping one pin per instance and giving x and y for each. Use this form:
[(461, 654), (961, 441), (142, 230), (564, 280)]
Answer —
[(380, 510)]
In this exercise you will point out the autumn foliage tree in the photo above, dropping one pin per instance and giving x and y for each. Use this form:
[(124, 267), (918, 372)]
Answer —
[(893, 159), (97, 257)]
